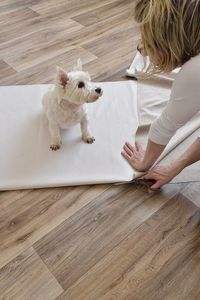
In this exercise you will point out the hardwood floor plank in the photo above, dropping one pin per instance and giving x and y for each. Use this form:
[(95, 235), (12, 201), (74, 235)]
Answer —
[(110, 63), (35, 213), (26, 55), (103, 28), (7, 6), (118, 76), (37, 46), (101, 72), (192, 193), (104, 12), (45, 72), (95, 230), (52, 54), (113, 41), (27, 278), (6, 70), (117, 60), (16, 16), (52, 32), (72, 7), (36, 24), (8, 197), (155, 261), (18, 3)]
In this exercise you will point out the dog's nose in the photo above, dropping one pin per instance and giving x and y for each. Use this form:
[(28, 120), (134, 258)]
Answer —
[(98, 90)]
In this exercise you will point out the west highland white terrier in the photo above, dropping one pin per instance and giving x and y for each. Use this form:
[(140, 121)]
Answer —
[(65, 104)]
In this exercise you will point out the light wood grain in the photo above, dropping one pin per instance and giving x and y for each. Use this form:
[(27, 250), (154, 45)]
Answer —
[(157, 260), (27, 277), (45, 71), (6, 70), (33, 214), (30, 51), (104, 13), (73, 8), (192, 193), (90, 234), (16, 16)]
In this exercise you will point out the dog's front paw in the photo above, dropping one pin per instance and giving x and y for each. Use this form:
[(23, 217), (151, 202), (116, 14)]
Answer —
[(55, 147), (89, 139)]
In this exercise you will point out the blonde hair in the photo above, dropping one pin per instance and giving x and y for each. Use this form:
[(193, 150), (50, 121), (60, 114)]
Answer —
[(170, 31)]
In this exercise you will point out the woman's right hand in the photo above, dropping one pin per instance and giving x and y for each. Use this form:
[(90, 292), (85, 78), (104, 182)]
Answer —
[(161, 175)]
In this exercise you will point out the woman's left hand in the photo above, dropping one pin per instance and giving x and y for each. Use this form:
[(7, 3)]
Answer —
[(134, 156)]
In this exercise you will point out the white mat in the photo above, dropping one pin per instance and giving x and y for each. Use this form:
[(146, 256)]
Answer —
[(26, 160)]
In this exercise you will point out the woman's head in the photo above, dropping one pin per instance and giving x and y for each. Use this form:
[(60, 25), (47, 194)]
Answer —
[(170, 31)]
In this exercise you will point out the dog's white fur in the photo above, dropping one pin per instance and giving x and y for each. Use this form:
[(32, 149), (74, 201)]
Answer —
[(65, 104)]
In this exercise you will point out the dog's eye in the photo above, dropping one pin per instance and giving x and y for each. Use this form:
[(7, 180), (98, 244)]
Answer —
[(81, 84)]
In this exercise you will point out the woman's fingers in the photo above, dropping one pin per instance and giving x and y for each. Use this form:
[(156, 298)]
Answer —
[(156, 186), (149, 176), (137, 149), (126, 156), (130, 146), (127, 150)]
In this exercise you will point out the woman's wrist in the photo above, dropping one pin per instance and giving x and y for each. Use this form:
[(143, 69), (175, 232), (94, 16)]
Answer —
[(152, 153), (178, 166), (147, 164), (151, 157)]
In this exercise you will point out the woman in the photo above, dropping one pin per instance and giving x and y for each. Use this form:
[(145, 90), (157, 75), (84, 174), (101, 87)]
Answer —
[(170, 33)]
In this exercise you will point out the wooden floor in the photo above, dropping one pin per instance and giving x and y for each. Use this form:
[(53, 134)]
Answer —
[(91, 242)]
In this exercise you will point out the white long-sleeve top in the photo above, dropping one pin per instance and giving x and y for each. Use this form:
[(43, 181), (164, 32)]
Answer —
[(184, 103)]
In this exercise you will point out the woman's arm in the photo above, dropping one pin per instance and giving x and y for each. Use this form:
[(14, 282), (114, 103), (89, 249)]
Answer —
[(164, 174), (189, 157), (184, 103)]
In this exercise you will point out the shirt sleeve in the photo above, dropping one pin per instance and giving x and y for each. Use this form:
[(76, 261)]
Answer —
[(184, 103)]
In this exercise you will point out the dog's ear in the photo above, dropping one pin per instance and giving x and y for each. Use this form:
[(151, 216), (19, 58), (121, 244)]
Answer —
[(62, 76), (79, 65)]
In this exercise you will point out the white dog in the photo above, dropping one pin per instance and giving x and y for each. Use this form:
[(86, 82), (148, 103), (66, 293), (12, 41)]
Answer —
[(65, 104)]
